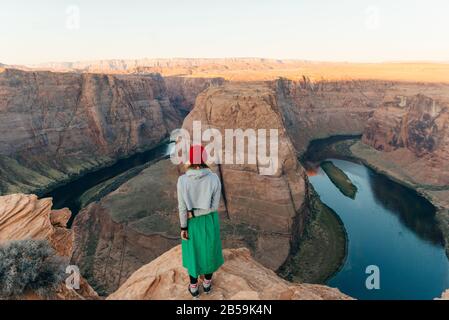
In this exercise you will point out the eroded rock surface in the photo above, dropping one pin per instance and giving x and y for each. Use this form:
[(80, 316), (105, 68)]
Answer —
[(128, 228), (417, 126), (408, 139), (239, 278), (182, 91), (27, 217), (257, 211), (265, 206), (58, 125), (266, 214)]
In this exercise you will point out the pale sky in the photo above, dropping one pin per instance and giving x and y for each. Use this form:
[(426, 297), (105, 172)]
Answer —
[(327, 30)]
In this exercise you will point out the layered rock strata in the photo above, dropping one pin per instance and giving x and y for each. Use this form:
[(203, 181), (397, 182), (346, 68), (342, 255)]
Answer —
[(55, 126), (267, 214)]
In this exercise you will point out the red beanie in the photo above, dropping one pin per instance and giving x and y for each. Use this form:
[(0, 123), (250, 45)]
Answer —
[(197, 155)]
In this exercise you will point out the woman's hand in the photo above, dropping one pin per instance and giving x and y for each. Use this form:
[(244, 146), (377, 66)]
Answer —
[(184, 235)]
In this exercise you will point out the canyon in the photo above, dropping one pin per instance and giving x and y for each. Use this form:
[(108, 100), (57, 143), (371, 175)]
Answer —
[(58, 125), (266, 214), (278, 199), (407, 140), (26, 217)]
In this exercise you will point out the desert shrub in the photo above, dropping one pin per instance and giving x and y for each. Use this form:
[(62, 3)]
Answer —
[(29, 265)]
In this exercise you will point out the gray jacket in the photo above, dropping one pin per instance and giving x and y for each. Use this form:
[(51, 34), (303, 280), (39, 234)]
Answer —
[(200, 190)]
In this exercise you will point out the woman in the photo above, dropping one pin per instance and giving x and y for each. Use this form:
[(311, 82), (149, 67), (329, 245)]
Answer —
[(199, 192)]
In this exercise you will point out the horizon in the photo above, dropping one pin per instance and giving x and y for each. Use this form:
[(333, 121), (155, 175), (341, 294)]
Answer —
[(250, 57), (46, 63), (255, 68), (320, 31)]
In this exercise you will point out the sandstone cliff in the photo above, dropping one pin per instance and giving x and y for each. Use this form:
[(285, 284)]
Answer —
[(316, 110), (26, 217), (267, 214), (404, 127), (239, 278), (266, 206), (320, 109), (55, 126), (263, 213), (128, 228), (182, 91), (407, 139), (416, 125)]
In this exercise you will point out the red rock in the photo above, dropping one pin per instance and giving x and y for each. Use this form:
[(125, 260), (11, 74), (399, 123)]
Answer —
[(240, 278), (27, 217)]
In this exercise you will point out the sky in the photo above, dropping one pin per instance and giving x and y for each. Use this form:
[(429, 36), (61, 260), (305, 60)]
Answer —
[(34, 32)]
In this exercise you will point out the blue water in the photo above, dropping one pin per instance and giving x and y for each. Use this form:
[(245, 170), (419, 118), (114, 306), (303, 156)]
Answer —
[(68, 195), (390, 227)]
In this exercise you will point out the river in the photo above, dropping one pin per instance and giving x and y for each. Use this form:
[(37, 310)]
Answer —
[(391, 228), (68, 195), (387, 225)]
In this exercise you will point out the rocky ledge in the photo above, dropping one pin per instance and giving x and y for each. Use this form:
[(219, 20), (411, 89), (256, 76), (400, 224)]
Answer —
[(241, 277), (27, 217)]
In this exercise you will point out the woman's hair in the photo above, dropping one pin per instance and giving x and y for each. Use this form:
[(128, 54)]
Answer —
[(198, 166)]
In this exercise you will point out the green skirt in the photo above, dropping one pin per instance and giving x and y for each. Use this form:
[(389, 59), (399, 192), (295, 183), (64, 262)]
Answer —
[(202, 253)]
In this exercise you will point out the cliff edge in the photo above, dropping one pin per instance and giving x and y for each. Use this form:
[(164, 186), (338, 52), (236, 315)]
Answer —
[(241, 277), (27, 217)]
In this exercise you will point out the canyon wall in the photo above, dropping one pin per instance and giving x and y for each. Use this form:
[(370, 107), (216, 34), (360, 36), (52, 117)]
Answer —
[(320, 109), (408, 140), (266, 214), (27, 217), (416, 125), (404, 125), (137, 222), (317, 110), (182, 91), (268, 206), (57, 125), (128, 228)]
